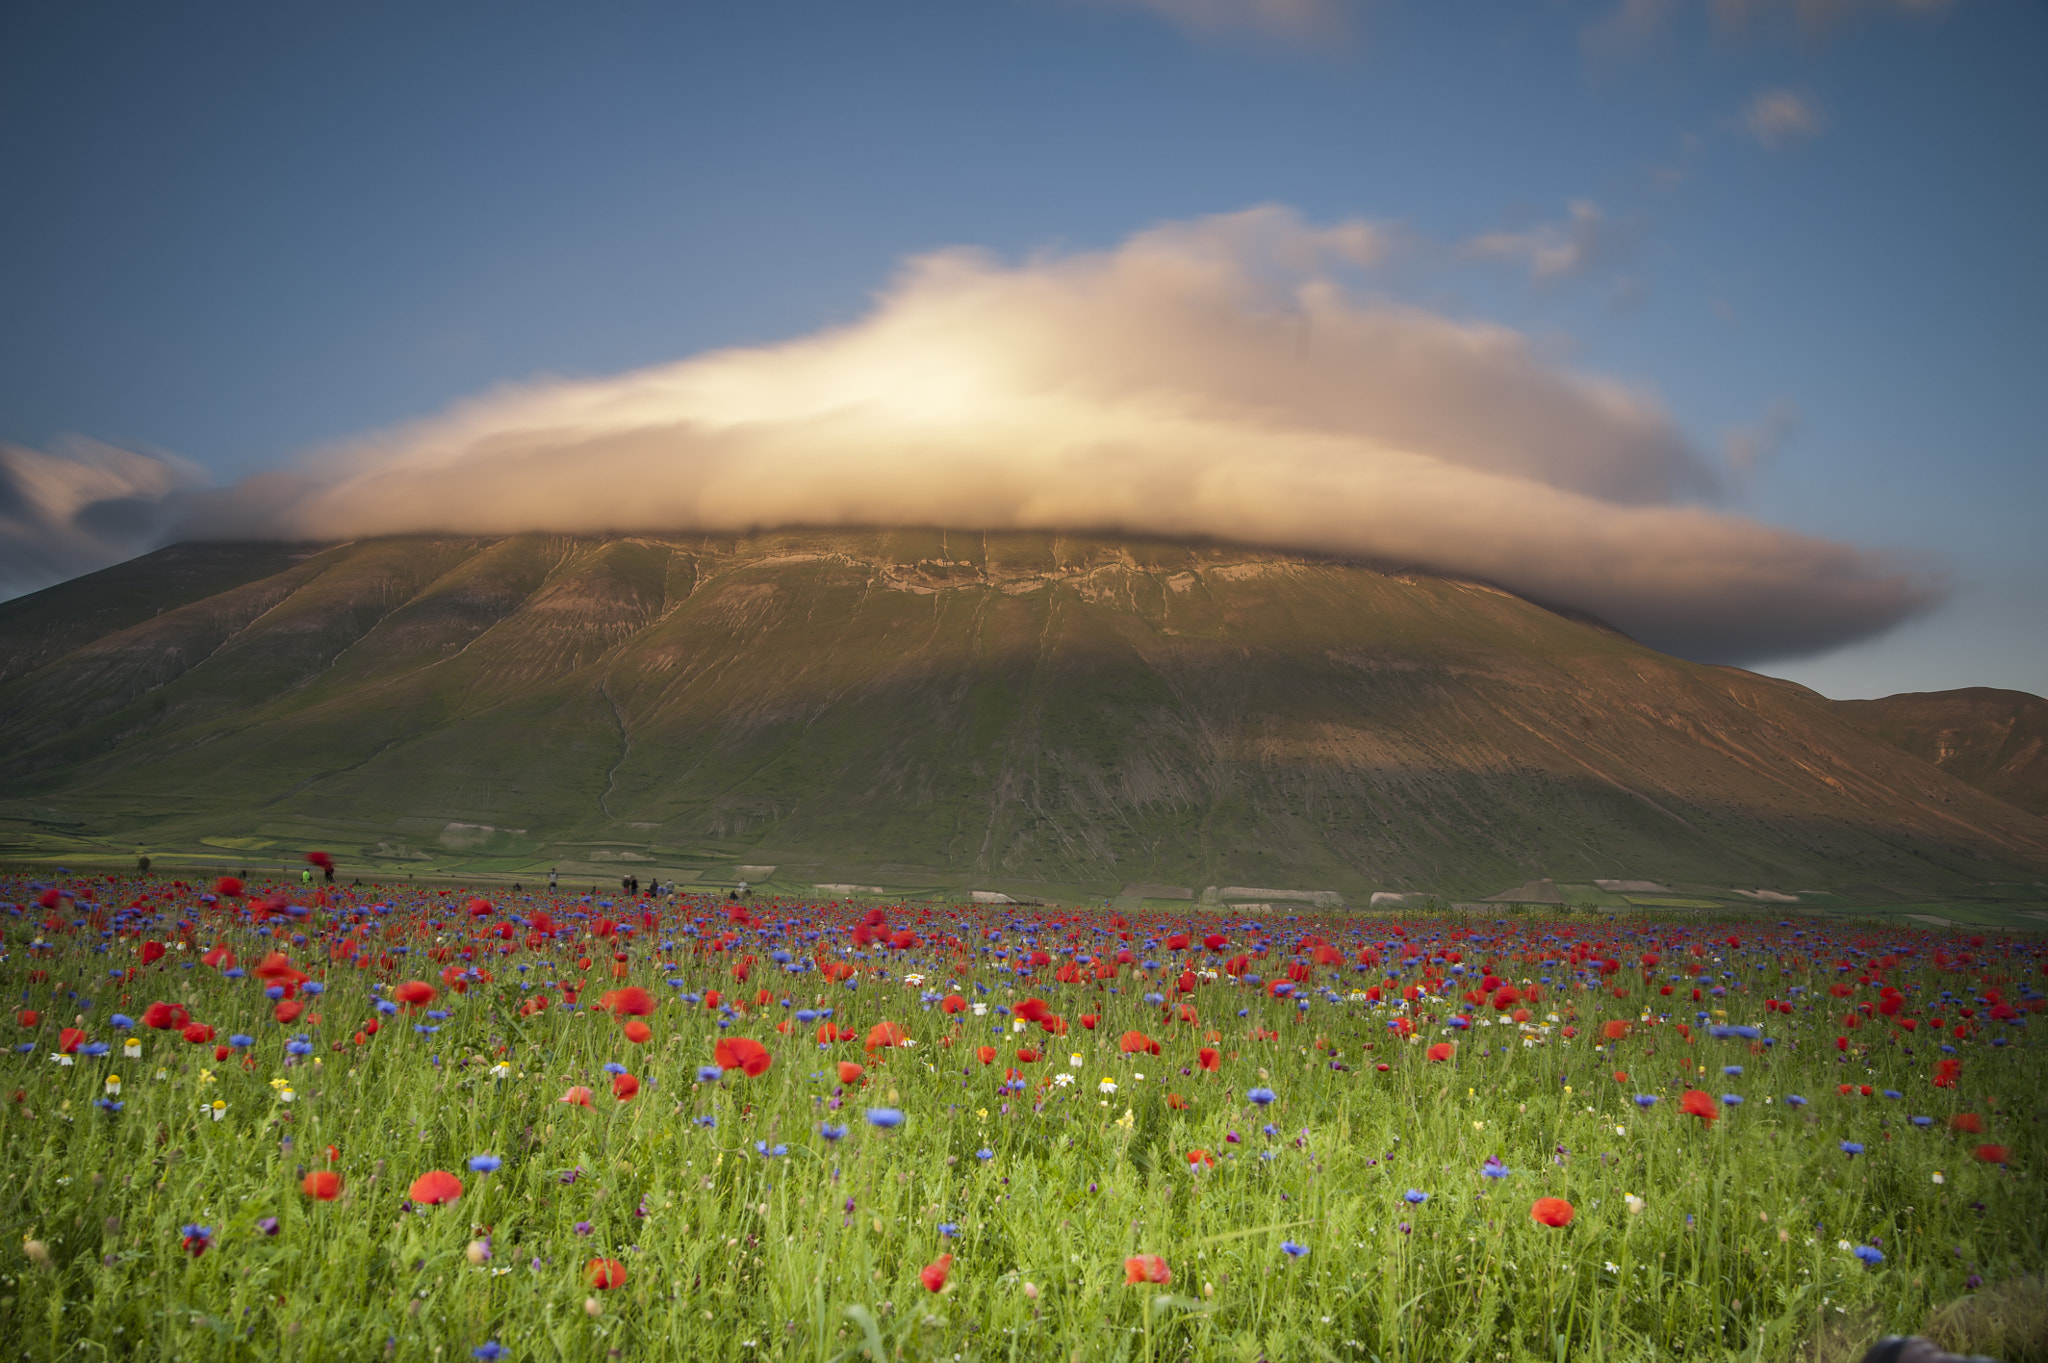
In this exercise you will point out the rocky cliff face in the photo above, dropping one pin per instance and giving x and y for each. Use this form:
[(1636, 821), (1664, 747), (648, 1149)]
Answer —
[(1068, 707)]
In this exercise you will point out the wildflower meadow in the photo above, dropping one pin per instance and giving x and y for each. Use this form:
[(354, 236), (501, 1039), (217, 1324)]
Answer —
[(269, 1121)]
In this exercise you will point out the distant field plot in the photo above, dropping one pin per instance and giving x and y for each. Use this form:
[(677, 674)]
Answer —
[(433, 1122)]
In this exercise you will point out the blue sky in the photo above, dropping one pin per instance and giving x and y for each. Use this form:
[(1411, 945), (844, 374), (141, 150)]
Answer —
[(241, 233)]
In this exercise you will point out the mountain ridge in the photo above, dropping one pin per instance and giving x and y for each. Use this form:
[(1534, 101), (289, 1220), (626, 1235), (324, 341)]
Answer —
[(1077, 708), (1993, 739)]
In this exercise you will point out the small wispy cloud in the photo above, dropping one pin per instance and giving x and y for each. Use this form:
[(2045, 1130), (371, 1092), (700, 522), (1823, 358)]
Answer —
[(1748, 448), (1778, 118), (1628, 27), (1814, 15), (1585, 241), (1285, 20)]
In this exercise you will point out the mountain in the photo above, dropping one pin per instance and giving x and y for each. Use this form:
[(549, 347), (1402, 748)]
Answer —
[(932, 707), (1995, 740)]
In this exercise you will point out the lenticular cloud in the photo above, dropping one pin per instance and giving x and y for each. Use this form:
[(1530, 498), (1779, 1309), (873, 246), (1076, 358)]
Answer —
[(1221, 378)]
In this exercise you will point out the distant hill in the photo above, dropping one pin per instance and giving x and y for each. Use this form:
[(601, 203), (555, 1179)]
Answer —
[(873, 707), (1995, 740)]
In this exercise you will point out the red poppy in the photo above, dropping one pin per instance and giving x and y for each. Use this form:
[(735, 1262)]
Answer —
[(165, 1017), (744, 1054), (435, 1187), (1992, 1154), (1176, 1102), (933, 1274), (577, 1096), (1551, 1211), (1966, 1121), (638, 1032), (1697, 1103), (850, 1073), (1027, 1056), (413, 993), (1133, 1042), (1614, 1029), (1032, 1010), (152, 951), (70, 1039), (28, 1017), (952, 1003), (1200, 1159), (632, 1001), (1207, 1059), (885, 1034), (1443, 1050), (986, 1055), (228, 887), (604, 1274), (624, 1086), (322, 1184), (287, 1011), (1621, 1076), (198, 1034), (1146, 1268)]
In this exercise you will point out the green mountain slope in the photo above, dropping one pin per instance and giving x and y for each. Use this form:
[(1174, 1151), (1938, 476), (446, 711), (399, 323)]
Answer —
[(1995, 740), (924, 704)]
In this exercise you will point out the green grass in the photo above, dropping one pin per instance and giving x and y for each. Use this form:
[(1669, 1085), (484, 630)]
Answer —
[(815, 1255)]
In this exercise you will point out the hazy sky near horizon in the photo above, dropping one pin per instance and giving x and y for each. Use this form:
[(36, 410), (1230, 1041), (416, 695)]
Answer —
[(1760, 281)]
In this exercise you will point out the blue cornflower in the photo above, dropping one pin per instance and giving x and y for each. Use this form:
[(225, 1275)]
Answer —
[(767, 1151), (1733, 1071), (1732, 1099), (949, 1229), (1794, 1100), (885, 1117), (1923, 1121), (1852, 1148), (485, 1164), (1869, 1254), (984, 1154), (490, 1351), (1261, 1096), (614, 1067), (1646, 1100), (121, 1021), (1415, 1196), (241, 1039), (706, 1120), (1292, 1250), (709, 1074)]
